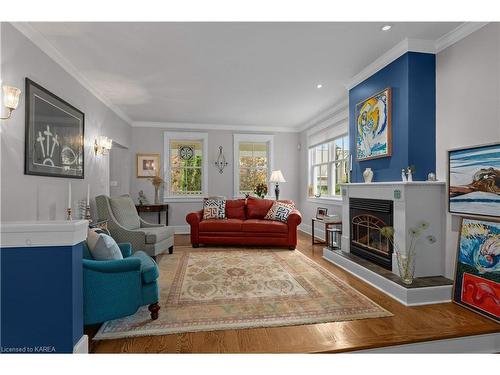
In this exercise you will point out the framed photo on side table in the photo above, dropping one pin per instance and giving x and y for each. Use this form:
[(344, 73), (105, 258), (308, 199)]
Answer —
[(148, 165), (54, 136), (321, 212), (477, 276)]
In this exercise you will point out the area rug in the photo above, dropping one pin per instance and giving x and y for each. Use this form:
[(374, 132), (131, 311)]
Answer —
[(209, 290)]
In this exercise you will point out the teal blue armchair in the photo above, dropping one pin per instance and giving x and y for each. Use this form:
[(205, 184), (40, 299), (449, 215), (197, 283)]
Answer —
[(116, 288)]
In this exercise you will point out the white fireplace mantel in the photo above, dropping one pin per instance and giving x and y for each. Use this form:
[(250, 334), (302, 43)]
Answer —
[(413, 202)]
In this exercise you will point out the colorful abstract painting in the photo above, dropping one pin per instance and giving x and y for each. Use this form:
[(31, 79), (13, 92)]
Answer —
[(373, 124), (477, 280), (474, 180)]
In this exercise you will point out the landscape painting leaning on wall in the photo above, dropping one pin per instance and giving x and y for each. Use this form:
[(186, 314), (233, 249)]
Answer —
[(474, 180)]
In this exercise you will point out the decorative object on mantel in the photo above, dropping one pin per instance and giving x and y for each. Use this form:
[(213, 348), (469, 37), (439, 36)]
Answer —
[(477, 273), (277, 177), (142, 198), (147, 165), (82, 207), (54, 135), (474, 180), (10, 100), (102, 145), (157, 182), (221, 162), (373, 126), (406, 260), (321, 212), (431, 177), (260, 190), (403, 175), (368, 175), (410, 170)]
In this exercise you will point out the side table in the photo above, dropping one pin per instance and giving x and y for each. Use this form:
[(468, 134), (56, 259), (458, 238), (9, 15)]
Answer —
[(154, 208), (327, 225)]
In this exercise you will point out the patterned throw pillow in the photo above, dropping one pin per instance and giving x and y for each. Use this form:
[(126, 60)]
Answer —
[(214, 209), (279, 211)]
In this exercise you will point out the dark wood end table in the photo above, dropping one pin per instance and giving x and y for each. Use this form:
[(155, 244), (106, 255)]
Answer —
[(327, 226), (154, 208)]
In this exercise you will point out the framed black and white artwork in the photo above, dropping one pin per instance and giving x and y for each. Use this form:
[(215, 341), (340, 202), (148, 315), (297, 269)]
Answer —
[(54, 138)]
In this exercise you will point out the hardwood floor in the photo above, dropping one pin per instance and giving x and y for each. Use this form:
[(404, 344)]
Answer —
[(408, 325)]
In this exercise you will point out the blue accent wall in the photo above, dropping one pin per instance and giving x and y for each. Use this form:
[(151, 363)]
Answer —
[(42, 298), (412, 78)]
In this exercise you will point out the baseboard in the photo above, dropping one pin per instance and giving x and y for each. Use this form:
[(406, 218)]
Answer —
[(181, 229), (82, 346), (489, 343)]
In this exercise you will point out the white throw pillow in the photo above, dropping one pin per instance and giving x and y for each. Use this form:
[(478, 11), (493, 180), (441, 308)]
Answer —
[(105, 248)]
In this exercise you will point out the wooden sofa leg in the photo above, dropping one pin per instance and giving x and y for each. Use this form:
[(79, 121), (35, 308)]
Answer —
[(154, 308), (171, 249), (291, 247), (195, 245)]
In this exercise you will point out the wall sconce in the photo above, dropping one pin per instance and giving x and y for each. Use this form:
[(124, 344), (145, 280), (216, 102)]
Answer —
[(102, 145), (10, 100), (221, 162)]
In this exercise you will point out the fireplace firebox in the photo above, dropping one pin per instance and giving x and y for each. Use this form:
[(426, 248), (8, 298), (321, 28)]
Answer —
[(367, 217)]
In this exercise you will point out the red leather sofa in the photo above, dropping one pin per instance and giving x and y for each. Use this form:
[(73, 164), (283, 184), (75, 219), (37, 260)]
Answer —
[(245, 225)]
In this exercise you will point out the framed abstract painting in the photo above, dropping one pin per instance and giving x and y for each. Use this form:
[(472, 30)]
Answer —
[(373, 126), (54, 137), (477, 277), (474, 180)]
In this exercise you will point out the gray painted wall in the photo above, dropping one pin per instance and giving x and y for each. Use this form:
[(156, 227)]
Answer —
[(150, 140), (467, 107), (42, 198)]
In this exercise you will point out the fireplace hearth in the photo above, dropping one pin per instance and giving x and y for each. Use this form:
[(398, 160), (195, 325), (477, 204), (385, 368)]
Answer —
[(367, 217)]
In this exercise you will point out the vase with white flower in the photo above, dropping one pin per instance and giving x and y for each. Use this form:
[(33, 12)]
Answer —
[(406, 260)]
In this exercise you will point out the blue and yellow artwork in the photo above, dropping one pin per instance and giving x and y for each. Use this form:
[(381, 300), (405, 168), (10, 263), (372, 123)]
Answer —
[(373, 124), (474, 180)]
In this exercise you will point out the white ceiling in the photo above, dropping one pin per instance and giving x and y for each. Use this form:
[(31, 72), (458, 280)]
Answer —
[(262, 74)]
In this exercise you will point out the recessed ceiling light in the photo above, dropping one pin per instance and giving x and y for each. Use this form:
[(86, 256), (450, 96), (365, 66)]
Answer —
[(319, 85), (386, 27)]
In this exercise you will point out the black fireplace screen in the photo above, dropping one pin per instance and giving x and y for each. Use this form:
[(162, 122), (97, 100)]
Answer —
[(368, 216)]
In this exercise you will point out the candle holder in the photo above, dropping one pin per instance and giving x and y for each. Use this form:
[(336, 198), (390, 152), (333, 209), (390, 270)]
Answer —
[(87, 214), (68, 214)]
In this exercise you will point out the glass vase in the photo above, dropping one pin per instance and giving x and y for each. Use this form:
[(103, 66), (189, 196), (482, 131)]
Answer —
[(157, 195), (406, 266)]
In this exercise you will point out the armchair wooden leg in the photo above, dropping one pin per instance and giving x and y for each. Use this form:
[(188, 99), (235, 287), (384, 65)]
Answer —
[(171, 249), (154, 308)]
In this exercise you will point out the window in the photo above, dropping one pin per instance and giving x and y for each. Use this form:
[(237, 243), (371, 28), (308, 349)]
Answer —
[(328, 167), (185, 165), (253, 156)]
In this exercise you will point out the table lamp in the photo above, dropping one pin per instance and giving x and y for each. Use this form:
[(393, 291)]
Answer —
[(277, 177)]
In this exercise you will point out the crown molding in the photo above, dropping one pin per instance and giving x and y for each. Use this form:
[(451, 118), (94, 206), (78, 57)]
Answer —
[(206, 126), (457, 34), (42, 43), (337, 110), (406, 45)]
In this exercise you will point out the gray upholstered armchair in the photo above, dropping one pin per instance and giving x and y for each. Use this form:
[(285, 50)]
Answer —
[(125, 226)]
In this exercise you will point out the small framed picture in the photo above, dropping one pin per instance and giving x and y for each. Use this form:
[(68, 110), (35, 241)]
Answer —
[(321, 212), (148, 165)]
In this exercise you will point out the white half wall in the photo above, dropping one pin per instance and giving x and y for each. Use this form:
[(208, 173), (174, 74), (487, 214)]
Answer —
[(26, 197), (467, 107)]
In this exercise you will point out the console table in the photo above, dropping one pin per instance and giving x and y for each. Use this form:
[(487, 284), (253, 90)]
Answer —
[(154, 208)]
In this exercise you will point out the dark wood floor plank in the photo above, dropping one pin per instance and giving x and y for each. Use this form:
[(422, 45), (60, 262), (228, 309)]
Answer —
[(408, 325)]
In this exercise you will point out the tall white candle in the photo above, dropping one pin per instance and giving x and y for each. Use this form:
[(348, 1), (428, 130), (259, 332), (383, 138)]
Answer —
[(69, 194), (88, 195)]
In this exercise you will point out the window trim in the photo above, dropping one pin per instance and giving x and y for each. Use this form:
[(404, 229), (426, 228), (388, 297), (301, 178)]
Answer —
[(195, 136), (237, 139), (329, 165)]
